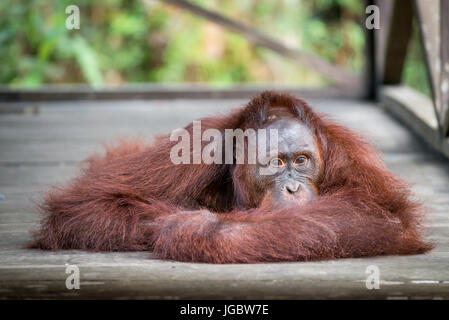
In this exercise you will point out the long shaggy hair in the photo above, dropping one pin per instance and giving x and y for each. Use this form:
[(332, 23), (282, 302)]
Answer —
[(135, 198)]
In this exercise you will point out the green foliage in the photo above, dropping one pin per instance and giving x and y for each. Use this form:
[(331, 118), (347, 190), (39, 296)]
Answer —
[(139, 41), (86, 59)]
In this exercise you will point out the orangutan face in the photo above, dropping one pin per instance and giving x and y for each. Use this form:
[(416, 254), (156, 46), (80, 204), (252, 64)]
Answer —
[(295, 170)]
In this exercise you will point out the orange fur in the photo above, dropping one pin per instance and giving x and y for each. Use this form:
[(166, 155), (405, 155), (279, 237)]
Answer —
[(135, 198)]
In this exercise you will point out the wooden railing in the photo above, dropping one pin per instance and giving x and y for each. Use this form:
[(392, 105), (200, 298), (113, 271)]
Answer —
[(429, 117), (258, 38)]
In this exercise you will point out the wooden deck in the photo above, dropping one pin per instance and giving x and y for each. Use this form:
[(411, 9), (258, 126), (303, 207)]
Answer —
[(42, 149)]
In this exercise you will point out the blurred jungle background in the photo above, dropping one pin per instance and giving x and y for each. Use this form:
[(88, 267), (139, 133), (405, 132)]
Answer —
[(134, 41)]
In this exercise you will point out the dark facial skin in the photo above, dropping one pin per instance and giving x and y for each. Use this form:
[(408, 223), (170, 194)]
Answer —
[(295, 173)]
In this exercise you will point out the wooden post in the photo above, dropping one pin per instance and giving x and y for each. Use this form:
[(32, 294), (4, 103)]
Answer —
[(370, 64), (444, 75), (386, 9), (399, 35)]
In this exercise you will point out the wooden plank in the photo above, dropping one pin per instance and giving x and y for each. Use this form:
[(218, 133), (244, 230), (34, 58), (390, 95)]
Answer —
[(399, 34), (158, 92), (338, 74), (63, 133), (417, 112), (102, 276)]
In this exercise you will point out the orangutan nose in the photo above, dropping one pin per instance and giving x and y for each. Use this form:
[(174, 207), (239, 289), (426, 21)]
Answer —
[(292, 186)]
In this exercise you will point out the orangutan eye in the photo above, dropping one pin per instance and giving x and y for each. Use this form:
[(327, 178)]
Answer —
[(277, 162), (301, 160)]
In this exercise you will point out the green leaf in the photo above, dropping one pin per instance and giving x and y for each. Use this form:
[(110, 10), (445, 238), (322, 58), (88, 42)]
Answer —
[(87, 61)]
